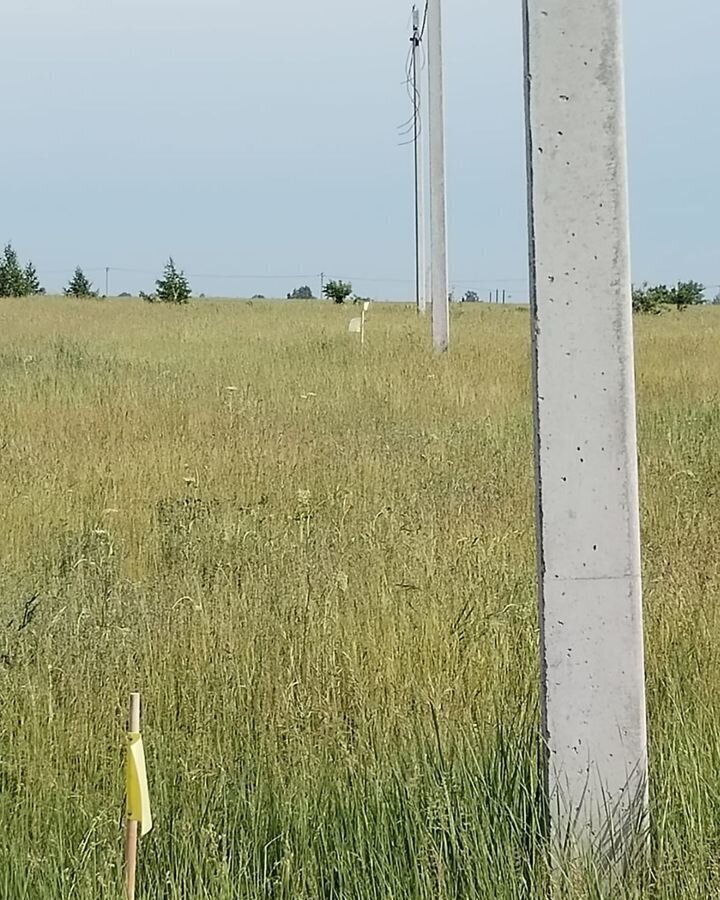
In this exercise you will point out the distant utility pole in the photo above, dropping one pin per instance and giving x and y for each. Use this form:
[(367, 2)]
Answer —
[(420, 238), (591, 620), (322, 284), (438, 203), (107, 281)]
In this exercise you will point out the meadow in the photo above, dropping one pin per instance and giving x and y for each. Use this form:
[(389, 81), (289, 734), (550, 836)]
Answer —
[(317, 565)]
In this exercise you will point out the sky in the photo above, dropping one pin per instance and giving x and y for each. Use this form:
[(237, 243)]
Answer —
[(258, 143)]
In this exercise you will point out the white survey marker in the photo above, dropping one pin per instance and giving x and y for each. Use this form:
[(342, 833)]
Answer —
[(592, 661)]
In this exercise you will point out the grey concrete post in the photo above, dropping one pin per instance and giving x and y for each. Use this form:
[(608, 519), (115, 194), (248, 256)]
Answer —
[(592, 664), (438, 204)]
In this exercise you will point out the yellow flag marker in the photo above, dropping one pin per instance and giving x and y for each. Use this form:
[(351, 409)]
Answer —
[(138, 796)]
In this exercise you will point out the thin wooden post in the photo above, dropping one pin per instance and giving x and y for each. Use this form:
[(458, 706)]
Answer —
[(131, 828)]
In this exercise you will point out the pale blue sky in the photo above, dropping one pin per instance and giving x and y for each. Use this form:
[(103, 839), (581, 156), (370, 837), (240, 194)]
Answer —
[(260, 139)]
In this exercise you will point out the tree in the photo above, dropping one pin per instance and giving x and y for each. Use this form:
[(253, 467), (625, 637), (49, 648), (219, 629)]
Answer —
[(652, 299), (16, 281), (471, 297), (32, 282), (12, 277), (338, 291), (301, 293), (688, 293), (80, 285), (173, 287), (648, 299)]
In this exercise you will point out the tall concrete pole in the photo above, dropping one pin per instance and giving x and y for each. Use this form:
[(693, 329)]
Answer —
[(438, 204), (592, 659), (421, 173)]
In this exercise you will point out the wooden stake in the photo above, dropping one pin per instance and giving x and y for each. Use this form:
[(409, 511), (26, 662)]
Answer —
[(131, 828)]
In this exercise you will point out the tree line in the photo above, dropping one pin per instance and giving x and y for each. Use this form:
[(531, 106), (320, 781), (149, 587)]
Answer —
[(18, 280), (653, 299), (21, 280)]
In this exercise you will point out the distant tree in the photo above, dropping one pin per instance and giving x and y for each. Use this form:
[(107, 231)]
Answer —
[(652, 299), (649, 300), (173, 287), (357, 299), (12, 276), (716, 299), (338, 291), (124, 295), (80, 285), (148, 298), (471, 297), (688, 293), (258, 297), (301, 293), (32, 282)]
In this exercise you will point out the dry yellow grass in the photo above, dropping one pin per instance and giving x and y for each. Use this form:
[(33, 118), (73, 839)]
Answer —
[(316, 564)]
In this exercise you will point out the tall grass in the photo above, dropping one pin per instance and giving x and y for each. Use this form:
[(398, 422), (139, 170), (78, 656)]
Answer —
[(316, 564)]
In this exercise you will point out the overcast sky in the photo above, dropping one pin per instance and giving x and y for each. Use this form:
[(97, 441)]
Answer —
[(260, 139)]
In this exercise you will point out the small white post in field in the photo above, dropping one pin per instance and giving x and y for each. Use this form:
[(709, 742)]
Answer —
[(363, 316), (438, 204), (592, 661)]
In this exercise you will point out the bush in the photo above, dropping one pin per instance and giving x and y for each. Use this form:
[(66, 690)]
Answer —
[(338, 291)]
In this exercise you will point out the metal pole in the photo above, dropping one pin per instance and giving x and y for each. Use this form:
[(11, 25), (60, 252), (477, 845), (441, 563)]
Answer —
[(322, 284), (107, 281), (438, 204), (592, 659)]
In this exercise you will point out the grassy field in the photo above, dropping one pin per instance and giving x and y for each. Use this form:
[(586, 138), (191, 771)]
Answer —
[(317, 565)]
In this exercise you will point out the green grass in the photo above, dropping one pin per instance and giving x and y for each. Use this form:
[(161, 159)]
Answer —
[(317, 565)]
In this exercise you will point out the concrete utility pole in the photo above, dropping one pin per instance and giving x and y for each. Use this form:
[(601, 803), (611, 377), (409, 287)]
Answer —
[(419, 161), (438, 204), (107, 281), (593, 691)]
